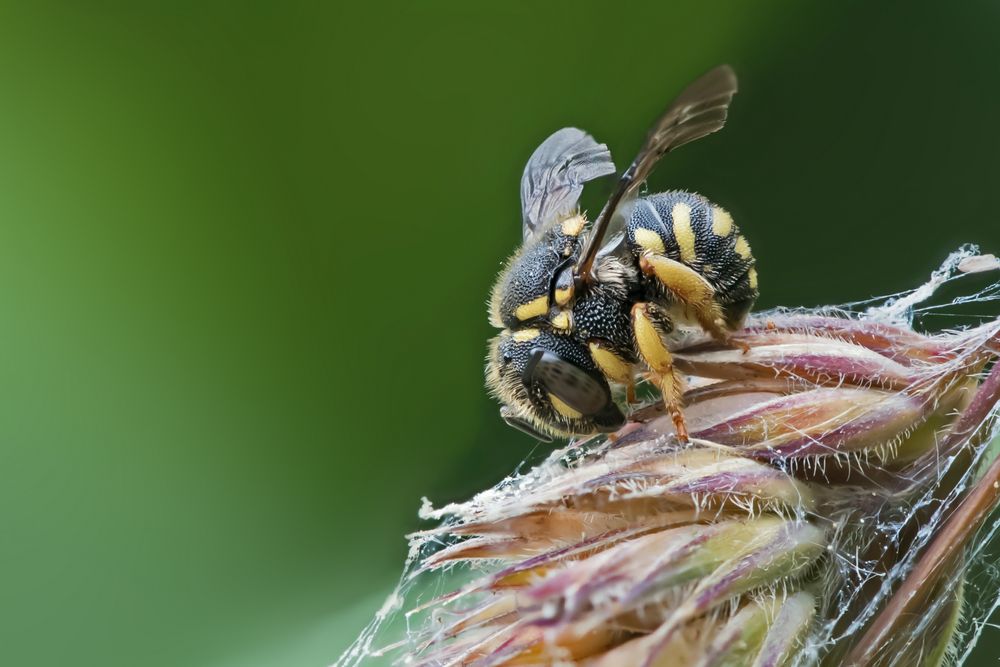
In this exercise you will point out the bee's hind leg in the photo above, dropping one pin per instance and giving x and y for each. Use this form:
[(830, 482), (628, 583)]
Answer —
[(649, 325), (690, 288)]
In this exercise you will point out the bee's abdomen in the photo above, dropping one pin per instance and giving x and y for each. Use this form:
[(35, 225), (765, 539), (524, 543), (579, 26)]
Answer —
[(688, 228)]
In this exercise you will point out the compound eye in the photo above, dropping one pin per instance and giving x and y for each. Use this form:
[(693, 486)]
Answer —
[(522, 425), (566, 381)]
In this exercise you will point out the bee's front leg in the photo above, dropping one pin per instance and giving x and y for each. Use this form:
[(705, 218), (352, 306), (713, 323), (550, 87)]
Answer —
[(613, 366), (649, 325)]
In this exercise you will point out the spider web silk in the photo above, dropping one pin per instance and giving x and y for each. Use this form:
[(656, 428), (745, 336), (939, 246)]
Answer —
[(404, 617)]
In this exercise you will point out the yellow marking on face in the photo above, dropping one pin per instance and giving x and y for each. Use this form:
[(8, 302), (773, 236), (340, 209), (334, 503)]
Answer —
[(562, 320), (742, 248), (534, 308), (650, 344), (752, 277), (610, 363), (722, 222), (564, 295), (573, 226), (525, 335), (564, 409), (649, 241), (681, 213)]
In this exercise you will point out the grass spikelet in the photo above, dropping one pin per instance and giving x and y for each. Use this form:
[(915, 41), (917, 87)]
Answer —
[(835, 493)]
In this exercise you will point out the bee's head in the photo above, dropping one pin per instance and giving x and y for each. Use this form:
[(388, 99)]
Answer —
[(549, 385)]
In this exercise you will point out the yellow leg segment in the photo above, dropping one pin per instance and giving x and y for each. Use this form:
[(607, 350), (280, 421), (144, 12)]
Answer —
[(661, 364), (691, 289), (612, 366)]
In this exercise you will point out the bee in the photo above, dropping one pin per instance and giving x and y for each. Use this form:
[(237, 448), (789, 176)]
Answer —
[(586, 306)]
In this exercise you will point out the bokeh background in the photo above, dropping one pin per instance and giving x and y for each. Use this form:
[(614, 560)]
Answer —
[(245, 249)]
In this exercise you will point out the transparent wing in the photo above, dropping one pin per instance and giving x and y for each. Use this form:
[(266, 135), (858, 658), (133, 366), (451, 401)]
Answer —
[(554, 176), (698, 111)]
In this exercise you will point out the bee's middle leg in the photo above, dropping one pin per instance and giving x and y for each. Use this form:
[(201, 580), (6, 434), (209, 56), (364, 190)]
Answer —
[(647, 324)]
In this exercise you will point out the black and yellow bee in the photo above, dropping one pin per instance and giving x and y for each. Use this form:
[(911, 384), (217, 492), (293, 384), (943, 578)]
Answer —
[(581, 305)]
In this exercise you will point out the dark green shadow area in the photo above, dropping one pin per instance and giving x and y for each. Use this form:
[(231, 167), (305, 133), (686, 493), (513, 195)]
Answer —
[(245, 250)]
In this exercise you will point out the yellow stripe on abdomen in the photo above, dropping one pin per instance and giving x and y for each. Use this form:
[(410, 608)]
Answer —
[(649, 240), (722, 222), (742, 248), (683, 233)]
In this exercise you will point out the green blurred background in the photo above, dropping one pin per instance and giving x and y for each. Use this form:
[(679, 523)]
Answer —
[(245, 249)]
